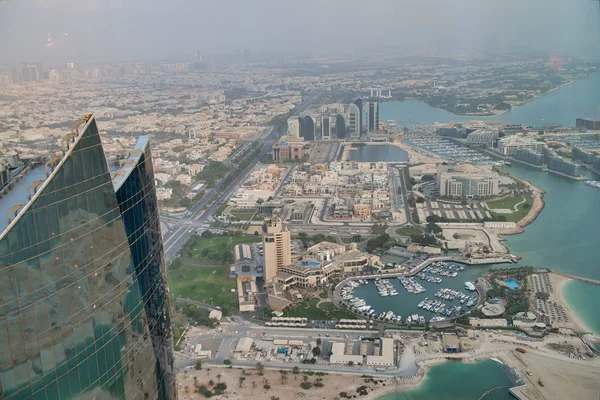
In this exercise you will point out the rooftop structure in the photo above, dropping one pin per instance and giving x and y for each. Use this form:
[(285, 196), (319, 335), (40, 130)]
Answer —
[(339, 356), (386, 358), (485, 137), (451, 343), (244, 345)]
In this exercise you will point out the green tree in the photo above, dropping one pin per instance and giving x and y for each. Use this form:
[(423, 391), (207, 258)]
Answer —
[(316, 351)]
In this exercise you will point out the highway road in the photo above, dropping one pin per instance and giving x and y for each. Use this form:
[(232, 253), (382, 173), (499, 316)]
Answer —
[(199, 213), (405, 196), (176, 238)]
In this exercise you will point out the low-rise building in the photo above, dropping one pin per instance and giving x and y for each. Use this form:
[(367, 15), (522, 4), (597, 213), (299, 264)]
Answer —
[(559, 164), (386, 356), (321, 263), (244, 345), (451, 343), (509, 145), (288, 150), (339, 356), (487, 322), (467, 181), (529, 156), (362, 210)]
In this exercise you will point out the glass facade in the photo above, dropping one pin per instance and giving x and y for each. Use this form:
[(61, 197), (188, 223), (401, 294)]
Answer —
[(83, 308)]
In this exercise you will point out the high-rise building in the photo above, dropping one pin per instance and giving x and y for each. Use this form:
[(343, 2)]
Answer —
[(277, 247), (359, 104), (325, 128), (293, 127), (373, 116), (31, 72), (307, 128), (84, 307), (340, 127), (354, 118)]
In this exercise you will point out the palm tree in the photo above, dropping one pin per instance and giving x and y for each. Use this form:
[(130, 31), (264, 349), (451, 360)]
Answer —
[(305, 378), (207, 371), (253, 386), (219, 378)]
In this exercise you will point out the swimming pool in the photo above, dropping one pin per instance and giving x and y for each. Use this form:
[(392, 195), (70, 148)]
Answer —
[(513, 284)]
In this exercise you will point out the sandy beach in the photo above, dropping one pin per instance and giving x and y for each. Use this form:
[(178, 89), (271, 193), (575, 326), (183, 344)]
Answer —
[(559, 282), (566, 379)]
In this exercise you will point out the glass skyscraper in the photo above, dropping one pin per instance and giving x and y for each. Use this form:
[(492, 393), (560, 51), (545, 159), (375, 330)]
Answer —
[(83, 296)]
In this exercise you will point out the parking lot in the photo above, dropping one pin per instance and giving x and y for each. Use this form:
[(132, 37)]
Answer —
[(454, 211)]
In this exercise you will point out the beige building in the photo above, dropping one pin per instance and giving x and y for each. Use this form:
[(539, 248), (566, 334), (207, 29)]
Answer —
[(277, 247), (321, 263), (362, 210), (339, 356), (386, 356), (467, 181)]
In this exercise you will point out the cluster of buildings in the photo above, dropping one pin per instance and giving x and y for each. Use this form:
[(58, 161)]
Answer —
[(384, 353), (537, 153), (335, 121), (193, 119), (262, 183), (357, 190), (589, 157), (284, 268)]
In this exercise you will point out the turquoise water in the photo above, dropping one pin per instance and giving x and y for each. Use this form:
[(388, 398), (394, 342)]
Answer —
[(583, 297), (512, 284), (561, 106), (564, 237), (379, 152), (453, 381)]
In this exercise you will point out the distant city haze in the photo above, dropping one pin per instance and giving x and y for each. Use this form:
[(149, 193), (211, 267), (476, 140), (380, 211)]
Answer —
[(57, 31)]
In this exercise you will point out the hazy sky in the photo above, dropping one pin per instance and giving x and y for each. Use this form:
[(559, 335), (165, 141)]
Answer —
[(130, 30)]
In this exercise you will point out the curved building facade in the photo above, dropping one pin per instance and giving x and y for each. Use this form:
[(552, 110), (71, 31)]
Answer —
[(83, 306)]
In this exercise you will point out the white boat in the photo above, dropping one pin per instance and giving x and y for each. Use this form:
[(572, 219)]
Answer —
[(594, 184)]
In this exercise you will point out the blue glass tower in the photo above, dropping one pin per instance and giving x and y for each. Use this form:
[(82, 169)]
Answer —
[(83, 308)]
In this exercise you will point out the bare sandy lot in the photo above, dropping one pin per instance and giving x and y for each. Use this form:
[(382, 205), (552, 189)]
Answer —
[(560, 379), (249, 384)]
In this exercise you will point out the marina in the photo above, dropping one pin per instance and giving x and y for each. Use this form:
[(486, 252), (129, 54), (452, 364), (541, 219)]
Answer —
[(389, 298), (449, 150)]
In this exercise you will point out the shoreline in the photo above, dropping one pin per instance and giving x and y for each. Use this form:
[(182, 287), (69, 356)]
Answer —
[(581, 326), (493, 115)]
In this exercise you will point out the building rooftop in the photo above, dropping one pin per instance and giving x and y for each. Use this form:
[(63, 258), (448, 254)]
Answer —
[(17, 192), (121, 165), (26, 180)]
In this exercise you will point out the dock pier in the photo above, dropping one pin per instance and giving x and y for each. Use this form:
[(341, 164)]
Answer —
[(577, 278)]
